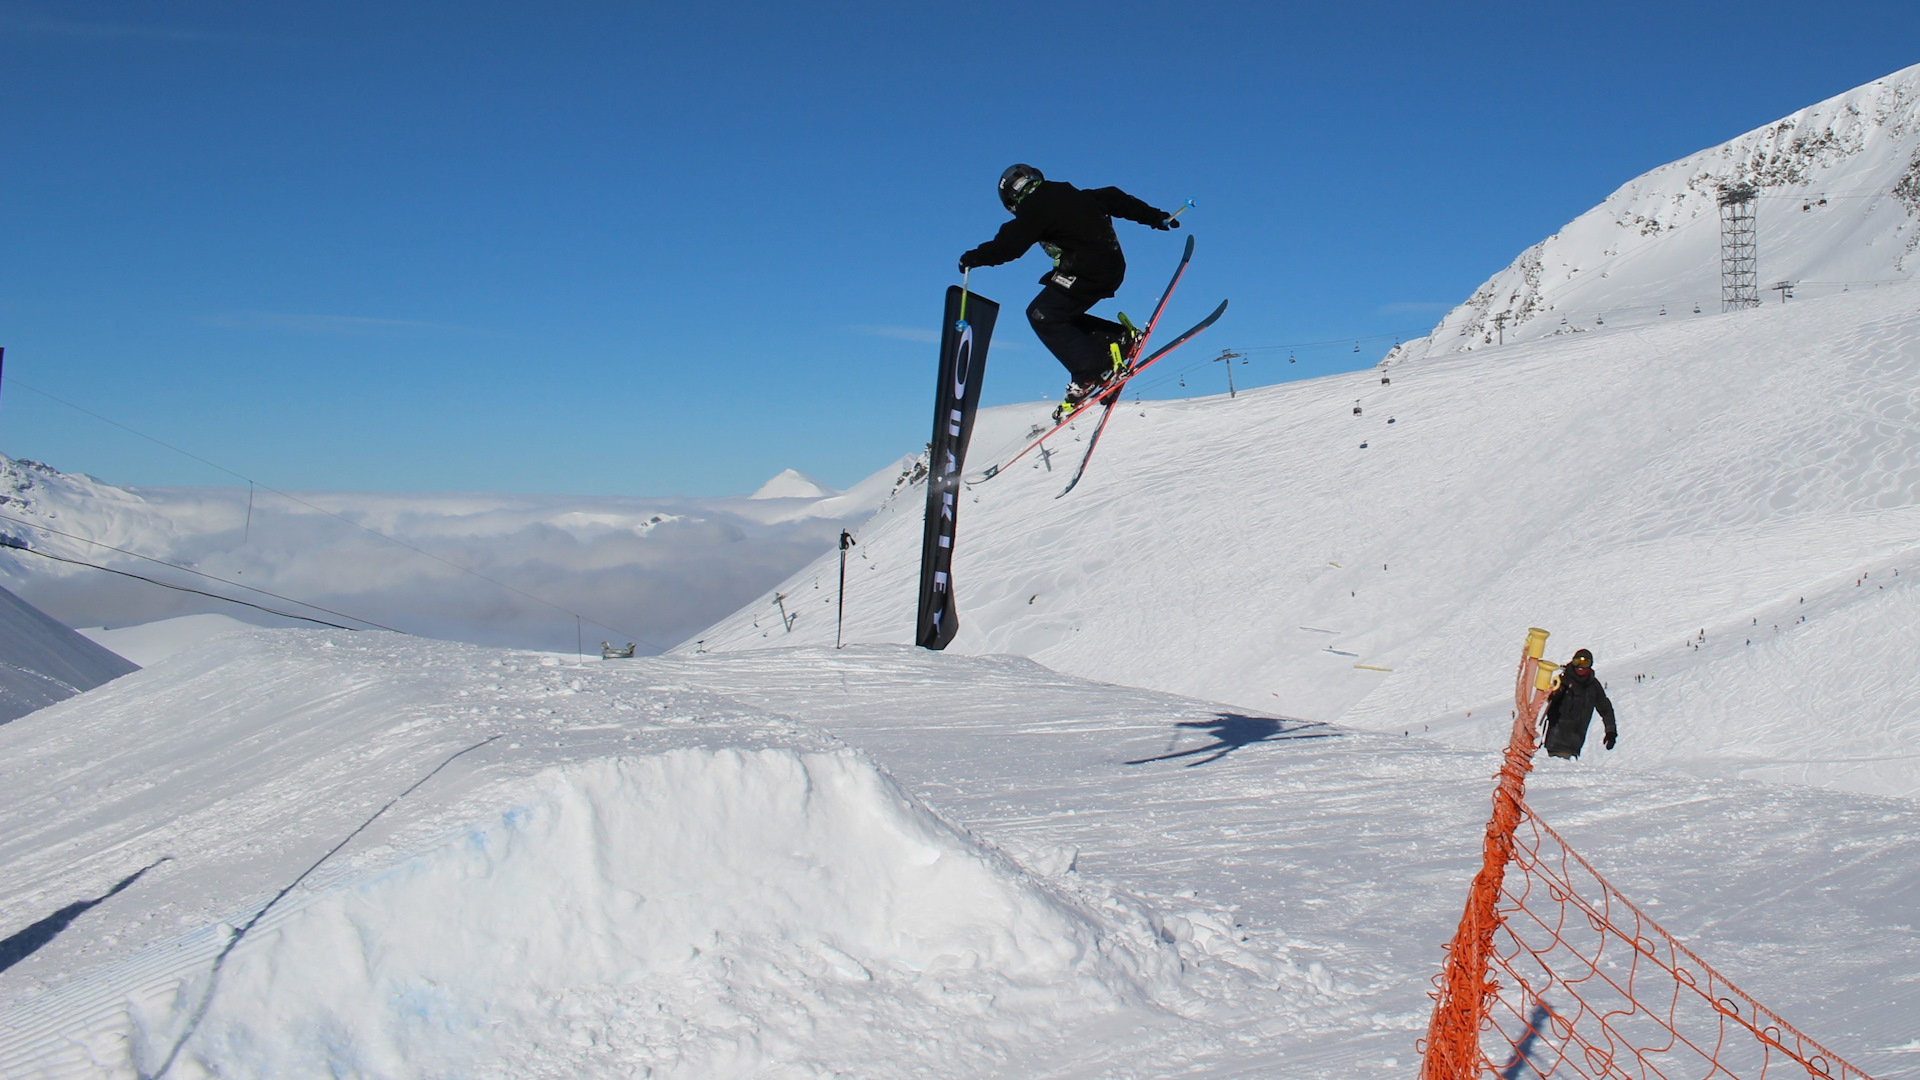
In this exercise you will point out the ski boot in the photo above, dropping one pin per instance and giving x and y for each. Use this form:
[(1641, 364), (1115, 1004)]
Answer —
[(1079, 394), (1130, 341), (1076, 396)]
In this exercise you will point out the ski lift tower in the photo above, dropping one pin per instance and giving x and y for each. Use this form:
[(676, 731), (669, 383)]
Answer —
[(1739, 250)]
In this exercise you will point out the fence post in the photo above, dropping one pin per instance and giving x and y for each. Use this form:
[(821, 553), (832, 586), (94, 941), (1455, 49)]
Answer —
[(1452, 1047)]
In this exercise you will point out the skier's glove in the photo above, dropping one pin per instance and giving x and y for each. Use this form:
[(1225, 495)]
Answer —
[(1611, 739), (966, 263), (1166, 223)]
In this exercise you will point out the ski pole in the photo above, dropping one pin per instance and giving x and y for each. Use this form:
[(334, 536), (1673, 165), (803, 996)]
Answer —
[(1180, 211), (962, 324)]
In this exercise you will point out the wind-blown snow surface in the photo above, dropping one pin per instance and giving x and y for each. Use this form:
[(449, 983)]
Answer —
[(1626, 490), (1838, 210), (652, 569), (868, 862)]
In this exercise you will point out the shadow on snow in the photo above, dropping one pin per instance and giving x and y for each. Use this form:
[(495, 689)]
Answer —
[(1231, 731), (25, 943)]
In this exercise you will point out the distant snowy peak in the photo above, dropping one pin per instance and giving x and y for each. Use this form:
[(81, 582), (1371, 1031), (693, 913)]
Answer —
[(793, 484), (32, 487), (1838, 210)]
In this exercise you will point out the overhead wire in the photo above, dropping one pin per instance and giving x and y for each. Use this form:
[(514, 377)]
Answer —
[(1159, 378), (9, 379), (189, 570), (15, 545)]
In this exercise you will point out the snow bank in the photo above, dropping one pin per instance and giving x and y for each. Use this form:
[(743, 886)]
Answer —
[(149, 643), (698, 914), (578, 870)]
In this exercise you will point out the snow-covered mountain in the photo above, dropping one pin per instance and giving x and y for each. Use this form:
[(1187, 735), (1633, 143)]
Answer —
[(1110, 833), (1838, 210), (792, 484), (1364, 548), (646, 569)]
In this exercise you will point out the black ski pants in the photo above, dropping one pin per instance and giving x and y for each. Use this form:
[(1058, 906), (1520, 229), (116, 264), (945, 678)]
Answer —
[(1080, 341)]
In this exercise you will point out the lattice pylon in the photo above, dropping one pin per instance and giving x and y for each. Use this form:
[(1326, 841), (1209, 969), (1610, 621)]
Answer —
[(1739, 249)]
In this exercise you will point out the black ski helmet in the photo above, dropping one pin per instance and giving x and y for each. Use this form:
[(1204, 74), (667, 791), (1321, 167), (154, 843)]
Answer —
[(1016, 183)]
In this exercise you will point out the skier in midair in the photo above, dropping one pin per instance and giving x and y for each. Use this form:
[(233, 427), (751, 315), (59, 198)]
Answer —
[(1572, 706), (1076, 228)]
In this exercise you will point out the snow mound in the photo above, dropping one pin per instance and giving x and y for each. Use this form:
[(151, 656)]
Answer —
[(792, 484), (1838, 210), (150, 643), (647, 905), (42, 662), (578, 870)]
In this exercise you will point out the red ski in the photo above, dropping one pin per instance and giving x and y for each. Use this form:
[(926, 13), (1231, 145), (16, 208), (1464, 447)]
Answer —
[(1112, 396), (1138, 347)]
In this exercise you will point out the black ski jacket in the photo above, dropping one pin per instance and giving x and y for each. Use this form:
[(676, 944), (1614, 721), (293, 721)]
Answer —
[(1571, 709), (1078, 223)]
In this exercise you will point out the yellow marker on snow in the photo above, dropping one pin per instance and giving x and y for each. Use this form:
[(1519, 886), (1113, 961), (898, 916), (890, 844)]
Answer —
[(1372, 667), (1537, 641)]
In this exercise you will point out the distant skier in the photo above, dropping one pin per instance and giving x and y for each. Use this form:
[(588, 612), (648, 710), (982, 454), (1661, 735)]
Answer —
[(1076, 228), (1571, 708)]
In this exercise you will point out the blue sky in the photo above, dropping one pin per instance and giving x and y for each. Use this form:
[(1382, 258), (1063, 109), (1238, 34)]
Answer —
[(673, 248)]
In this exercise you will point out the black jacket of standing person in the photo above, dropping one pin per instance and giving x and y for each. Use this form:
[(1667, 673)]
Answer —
[(1572, 706), (1079, 226)]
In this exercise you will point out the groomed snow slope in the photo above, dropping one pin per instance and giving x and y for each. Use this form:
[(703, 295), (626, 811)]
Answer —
[(1626, 490), (616, 876), (1837, 210), (684, 868)]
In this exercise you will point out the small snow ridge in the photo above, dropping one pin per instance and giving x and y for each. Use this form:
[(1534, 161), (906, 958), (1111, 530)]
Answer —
[(792, 484), (693, 913), (149, 643)]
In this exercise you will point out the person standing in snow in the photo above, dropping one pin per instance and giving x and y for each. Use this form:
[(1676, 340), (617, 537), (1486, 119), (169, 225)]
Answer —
[(1572, 705), (1076, 228)]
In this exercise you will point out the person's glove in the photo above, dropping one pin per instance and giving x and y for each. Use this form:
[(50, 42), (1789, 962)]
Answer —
[(1166, 223), (1611, 738), (966, 263)]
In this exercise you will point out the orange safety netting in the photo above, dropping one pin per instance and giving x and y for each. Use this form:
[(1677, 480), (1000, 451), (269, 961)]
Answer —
[(1554, 973)]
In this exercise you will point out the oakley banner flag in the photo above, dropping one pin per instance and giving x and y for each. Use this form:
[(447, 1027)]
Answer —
[(963, 364)]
